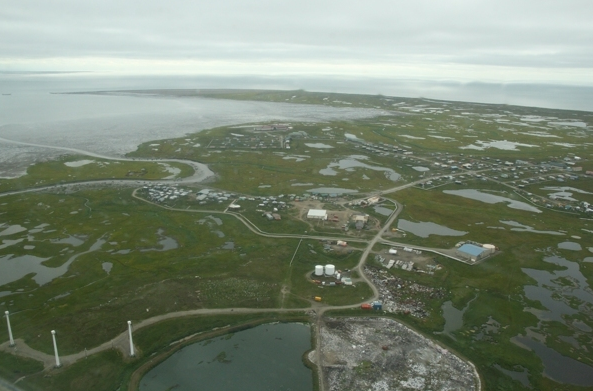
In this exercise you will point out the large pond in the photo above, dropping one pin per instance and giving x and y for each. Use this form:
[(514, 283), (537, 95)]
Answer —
[(267, 357), (352, 162), (425, 229)]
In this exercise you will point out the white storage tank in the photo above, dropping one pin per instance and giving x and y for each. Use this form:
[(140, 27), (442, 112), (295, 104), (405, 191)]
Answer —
[(330, 270), (490, 247), (319, 270)]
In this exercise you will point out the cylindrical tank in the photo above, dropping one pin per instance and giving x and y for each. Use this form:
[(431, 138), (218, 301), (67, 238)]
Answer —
[(330, 270), (319, 270), (489, 247)]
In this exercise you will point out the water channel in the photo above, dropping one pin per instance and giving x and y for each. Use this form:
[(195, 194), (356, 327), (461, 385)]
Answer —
[(266, 357)]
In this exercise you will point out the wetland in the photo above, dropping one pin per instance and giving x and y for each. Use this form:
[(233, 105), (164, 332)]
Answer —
[(83, 258)]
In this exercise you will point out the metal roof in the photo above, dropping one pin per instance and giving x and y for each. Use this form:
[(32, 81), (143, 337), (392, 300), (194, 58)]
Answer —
[(472, 249)]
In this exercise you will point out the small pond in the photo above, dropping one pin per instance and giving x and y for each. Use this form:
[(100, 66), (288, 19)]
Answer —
[(266, 357), (78, 163), (383, 210), (72, 240), (331, 190), (574, 246), (499, 144), (318, 145), (525, 228), (453, 317), (107, 266), (166, 243), (522, 376), (13, 229)]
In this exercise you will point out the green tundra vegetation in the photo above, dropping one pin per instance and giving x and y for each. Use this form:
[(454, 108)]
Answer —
[(129, 259)]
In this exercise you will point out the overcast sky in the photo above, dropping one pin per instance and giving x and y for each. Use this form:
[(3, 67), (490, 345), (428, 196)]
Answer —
[(495, 40)]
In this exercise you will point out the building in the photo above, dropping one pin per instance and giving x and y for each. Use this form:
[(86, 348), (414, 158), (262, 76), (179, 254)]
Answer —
[(317, 214), (373, 200), (472, 252), (361, 217)]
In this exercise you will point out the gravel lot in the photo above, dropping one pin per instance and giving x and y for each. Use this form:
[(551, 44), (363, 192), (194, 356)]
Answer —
[(382, 354)]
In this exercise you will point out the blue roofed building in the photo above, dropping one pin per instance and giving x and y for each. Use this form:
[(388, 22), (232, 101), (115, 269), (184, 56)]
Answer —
[(472, 252)]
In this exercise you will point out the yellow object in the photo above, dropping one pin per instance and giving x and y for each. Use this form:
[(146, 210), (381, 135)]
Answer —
[(317, 298)]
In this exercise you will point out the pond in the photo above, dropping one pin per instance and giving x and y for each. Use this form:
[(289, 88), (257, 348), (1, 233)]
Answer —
[(266, 357), (574, 246), (318, 145), (165, 242), (525, 228), (554, 290), (562, 293), (564, 192), (352, 162), (73, 240), (425, 229), (383, 210), (522, 376), (15, 268), (331, 190), (13, 229), (492, 199), (453, 317), (499, 144), (556, 366)]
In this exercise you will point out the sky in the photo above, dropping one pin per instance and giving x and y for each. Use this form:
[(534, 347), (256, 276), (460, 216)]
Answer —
[(502, 41)]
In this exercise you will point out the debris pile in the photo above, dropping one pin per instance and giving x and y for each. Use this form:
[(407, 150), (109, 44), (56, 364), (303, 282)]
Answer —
[(382, 354), (399, 295)]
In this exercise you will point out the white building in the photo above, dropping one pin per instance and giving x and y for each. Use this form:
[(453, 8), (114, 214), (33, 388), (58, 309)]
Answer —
[(317, 214)]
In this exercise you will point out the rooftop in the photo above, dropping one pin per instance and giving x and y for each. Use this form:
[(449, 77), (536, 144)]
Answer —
[(471, 249)]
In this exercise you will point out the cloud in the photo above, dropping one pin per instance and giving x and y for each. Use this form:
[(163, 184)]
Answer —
[(482, 40)]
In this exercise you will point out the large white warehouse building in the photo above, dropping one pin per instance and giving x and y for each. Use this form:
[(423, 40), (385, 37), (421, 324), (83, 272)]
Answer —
[(319, 214)]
